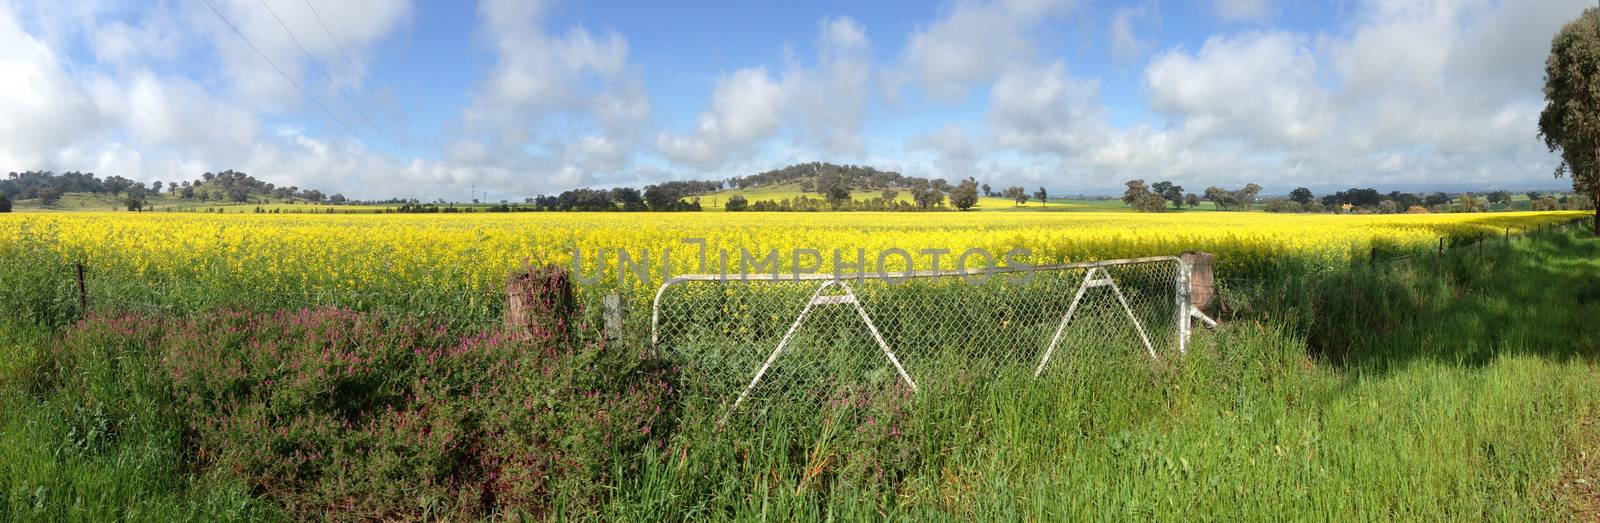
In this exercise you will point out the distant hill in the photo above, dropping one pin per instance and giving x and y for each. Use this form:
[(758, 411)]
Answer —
[(75, 190)]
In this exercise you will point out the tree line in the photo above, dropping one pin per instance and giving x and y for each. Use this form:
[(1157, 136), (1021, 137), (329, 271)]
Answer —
[(1159, 196), (227, 186)]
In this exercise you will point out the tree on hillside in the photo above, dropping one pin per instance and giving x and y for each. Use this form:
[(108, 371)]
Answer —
[(5, 203), (1042, 195), (965, 194), (1192, 199), (1570, 122), (117, 184), (926, 196), (833, 187), (890, 195), (1301, 195), (1533, 195), (1498, 197), (986, 189), (1136, 190), (736, 203), (49, 195)]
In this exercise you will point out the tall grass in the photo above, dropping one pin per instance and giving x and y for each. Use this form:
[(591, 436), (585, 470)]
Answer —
[(1459, 387)]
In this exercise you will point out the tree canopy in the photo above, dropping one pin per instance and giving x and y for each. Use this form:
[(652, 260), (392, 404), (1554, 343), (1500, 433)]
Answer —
[(1570, 122)]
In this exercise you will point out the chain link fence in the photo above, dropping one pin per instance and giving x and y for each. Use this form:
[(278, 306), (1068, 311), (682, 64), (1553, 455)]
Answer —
[(750, 344)]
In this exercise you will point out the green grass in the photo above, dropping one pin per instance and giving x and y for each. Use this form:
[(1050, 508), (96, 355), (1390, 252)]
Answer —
[(1459, 387)]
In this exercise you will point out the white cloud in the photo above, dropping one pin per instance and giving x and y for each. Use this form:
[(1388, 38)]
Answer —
[(830, 100), (1260, 87), (746, 107), (957, 156), (556, 111), (974, 42), (1125, 44), (1043, 110), (1237, 10), (824, 103), (42, 108)]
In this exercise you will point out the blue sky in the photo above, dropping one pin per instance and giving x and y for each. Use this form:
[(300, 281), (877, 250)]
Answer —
[(518, 98)]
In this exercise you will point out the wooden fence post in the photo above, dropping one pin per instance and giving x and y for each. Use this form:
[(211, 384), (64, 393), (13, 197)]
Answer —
[(540, 303), (613, 316), (83, 293), (1202, 280)]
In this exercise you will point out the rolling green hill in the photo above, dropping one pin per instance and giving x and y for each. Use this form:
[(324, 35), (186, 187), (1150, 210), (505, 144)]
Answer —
[(81, 202)]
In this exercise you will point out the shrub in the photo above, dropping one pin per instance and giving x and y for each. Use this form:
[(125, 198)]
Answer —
[(335, 412)]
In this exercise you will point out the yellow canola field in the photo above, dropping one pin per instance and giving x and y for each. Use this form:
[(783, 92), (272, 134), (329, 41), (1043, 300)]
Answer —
[(474, 252)]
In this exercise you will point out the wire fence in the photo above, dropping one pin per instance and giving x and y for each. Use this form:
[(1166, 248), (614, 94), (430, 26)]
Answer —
[(752, 344)]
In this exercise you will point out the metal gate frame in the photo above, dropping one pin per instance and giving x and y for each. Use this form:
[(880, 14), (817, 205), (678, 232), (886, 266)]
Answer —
[(1187, 313)]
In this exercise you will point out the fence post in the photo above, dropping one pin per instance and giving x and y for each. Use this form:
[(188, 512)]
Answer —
[(1372, 257), (83, 293), (540, 303), (1441, 246), (1202, 279), (613, 316)]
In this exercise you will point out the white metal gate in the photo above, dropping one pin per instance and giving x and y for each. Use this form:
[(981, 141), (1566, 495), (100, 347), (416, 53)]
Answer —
[(817, 338)]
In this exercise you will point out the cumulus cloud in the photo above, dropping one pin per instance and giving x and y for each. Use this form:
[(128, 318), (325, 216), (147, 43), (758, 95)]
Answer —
[(956, 155), (975, 41), (1126, 44), (1206, 90), (746, 107), (1237, 10), (44, 110), (823, 102), (132, 113), (1045, 110)]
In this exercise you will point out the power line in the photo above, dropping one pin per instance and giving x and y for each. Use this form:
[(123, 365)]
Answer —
[(292, 81), (325, 74), (392, 113)]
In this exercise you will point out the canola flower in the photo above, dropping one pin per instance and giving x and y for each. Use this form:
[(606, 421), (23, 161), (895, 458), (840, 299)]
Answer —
[(473, 253)]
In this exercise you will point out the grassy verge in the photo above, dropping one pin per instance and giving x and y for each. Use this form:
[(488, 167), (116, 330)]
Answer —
[(1458, 388)]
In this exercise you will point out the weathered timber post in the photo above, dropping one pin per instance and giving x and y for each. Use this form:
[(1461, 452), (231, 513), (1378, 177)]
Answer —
[(540, 303), (1372, 257), (83, 293), (613, 315), (1202, 280)]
